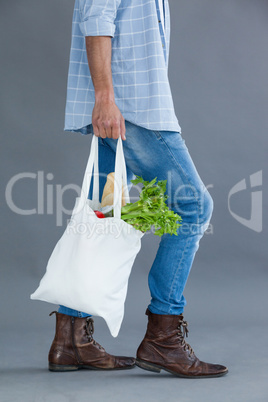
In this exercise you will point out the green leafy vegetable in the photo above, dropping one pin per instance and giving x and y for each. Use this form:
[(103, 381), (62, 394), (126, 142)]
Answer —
[(151, 209)]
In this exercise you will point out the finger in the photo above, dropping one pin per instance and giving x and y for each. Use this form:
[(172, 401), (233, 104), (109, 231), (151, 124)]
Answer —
[(109, 131), (102, 132), (116, 130), (96, 130), (123, 129)]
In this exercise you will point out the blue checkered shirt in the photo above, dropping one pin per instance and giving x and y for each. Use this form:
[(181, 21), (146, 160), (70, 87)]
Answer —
[(140, 53)]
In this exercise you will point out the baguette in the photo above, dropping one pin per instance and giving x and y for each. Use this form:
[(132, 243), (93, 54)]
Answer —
[(108, 192)]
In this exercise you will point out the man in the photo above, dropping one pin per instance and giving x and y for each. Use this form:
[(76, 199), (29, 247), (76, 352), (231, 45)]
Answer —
[(118, 86)]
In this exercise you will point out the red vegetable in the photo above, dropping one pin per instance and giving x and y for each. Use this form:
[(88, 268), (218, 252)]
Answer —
[(99, 214)]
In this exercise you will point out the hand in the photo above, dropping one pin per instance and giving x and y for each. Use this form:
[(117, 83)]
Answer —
[(107, 120)]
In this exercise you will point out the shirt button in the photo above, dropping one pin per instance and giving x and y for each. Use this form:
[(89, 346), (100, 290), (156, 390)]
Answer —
[(159, 20)]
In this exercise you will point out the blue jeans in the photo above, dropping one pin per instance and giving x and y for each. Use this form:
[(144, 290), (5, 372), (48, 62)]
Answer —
[(163, 154)]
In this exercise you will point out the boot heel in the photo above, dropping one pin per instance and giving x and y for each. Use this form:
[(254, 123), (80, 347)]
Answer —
[(62, 367), (147, 366)]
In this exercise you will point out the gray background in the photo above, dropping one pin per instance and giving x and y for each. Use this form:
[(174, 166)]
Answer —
[(218, 74)]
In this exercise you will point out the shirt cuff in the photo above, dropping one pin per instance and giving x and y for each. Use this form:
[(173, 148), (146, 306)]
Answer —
[(97, 27)]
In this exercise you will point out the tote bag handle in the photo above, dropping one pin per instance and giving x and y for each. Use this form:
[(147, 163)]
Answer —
[(119, 177)]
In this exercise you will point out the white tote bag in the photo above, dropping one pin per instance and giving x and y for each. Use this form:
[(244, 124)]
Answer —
[(90, 265)]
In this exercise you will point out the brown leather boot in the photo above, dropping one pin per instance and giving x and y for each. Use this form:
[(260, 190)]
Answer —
[(74, 348), (164, 347)]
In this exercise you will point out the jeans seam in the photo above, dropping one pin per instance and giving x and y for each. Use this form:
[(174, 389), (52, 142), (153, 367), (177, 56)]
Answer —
[(181, 260), (174, 159), (177, 271)]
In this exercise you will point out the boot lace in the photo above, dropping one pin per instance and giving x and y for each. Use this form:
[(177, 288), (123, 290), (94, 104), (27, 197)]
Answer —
[(183, 331), (90, 332)]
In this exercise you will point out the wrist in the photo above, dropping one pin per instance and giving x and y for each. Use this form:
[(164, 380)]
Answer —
[(104, 95)]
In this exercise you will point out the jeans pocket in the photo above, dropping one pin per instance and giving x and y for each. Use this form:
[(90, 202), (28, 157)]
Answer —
[(161, 135), (102, 142), (157, 134)]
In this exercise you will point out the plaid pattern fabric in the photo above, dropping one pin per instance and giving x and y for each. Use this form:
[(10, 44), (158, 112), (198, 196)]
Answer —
[(140, 53)]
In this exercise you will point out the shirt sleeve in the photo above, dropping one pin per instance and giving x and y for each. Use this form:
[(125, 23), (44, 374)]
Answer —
[(97, 17)]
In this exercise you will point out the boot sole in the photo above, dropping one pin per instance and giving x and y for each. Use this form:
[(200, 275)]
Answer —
[(67, 367), (156, 368)]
